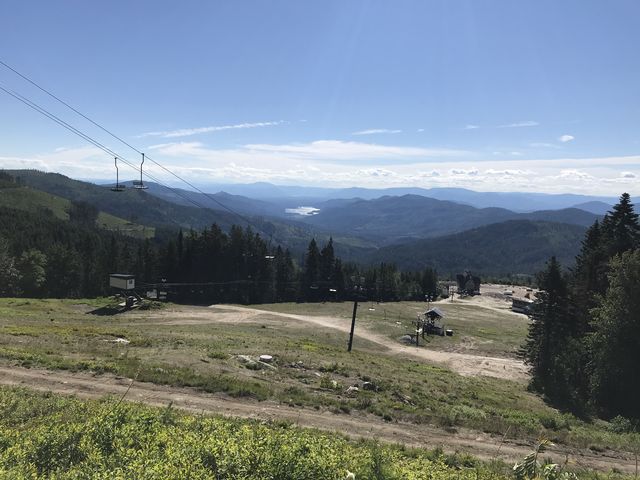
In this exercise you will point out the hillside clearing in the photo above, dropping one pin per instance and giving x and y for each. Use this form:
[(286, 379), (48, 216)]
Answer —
[(214, 350)]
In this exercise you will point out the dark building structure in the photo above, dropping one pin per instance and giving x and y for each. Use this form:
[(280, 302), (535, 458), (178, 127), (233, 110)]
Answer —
[(468, 284)]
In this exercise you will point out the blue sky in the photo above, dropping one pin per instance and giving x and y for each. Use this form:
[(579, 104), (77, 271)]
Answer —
[(490, 95)]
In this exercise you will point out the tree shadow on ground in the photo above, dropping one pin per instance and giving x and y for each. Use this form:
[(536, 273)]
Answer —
[(107, 310)]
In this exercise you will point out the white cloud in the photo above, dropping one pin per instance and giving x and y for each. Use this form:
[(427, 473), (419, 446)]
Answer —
[(566, 138), (543, 145), (374, 131), (471, 127), (187, 132), (376, 172), (461, 171), (428, 174), (508, 173), (527, 123), (574, 175), (420, 130), (344, 164), (319, 151)]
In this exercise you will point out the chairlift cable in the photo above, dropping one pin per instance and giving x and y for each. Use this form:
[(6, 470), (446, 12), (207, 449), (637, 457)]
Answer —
[(210, 197), (94, 142)]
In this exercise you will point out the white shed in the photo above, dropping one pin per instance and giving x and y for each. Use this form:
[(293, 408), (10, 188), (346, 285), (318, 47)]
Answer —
[(122, 281)]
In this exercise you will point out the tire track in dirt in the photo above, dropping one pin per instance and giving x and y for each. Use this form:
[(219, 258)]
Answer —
[(463, 363), (358, 425)]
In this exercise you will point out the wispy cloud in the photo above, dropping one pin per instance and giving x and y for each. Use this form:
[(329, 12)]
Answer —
[(543, 145), (526, 123), (471, 127), (325, 151), (338, 163), (374, 131), (566, 138), (187, 132)]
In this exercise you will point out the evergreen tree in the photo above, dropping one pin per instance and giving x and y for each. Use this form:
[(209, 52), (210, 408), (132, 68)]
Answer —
[(429, 282), (285, 276), (326, 267), (620, 227), (615, 344), (32, 265), (83, 213), (549, 329), (338, 281), (9, 275), (64, 272), (311, 273)]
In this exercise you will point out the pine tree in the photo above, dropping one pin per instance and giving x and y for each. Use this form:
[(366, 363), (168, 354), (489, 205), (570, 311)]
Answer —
[(429, 282), (615, 344), (549, 329), (621, 228), (311, 272), (9, 275), (32, 265), (326, 269)]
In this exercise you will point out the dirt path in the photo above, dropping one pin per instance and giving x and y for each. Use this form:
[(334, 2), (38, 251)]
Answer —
[(463, 363), (478, 444)]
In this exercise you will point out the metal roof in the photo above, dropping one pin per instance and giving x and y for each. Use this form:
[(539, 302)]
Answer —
[(436, 310)]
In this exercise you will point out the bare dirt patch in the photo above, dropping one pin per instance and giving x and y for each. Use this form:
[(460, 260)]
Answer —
[(462, 363)]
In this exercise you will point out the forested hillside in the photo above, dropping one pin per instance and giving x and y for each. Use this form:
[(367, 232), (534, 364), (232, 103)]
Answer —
[(389, 220), (143, 208), (584, 341), (512, 247), (133, 205), (50, 246)]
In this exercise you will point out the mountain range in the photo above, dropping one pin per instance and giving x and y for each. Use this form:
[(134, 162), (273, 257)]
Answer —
[(400, 226)]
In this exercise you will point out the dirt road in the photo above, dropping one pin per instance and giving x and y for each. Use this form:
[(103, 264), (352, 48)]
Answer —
[(480, 445), (463, 363)]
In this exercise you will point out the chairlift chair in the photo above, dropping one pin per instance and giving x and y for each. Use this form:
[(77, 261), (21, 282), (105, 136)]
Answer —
[(118, 187), (139, 184)]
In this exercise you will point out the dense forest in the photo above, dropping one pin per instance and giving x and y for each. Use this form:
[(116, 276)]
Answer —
[(42, 255), (584, 341)]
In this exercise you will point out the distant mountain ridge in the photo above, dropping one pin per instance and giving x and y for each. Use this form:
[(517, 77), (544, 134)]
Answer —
[(511, 247), (145, 208), (411, 230), (516, 201), (394, 219)]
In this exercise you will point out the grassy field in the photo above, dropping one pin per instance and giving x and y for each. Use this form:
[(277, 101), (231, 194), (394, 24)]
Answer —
[(188, 346), (107, 439), (111, 222), (476, 330)]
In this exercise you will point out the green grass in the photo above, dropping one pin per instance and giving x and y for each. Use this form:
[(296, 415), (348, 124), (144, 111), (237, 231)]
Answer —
[(104, 439), (111, 222), (312, 370), (30, 200), (110, 439), (476, 330)]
